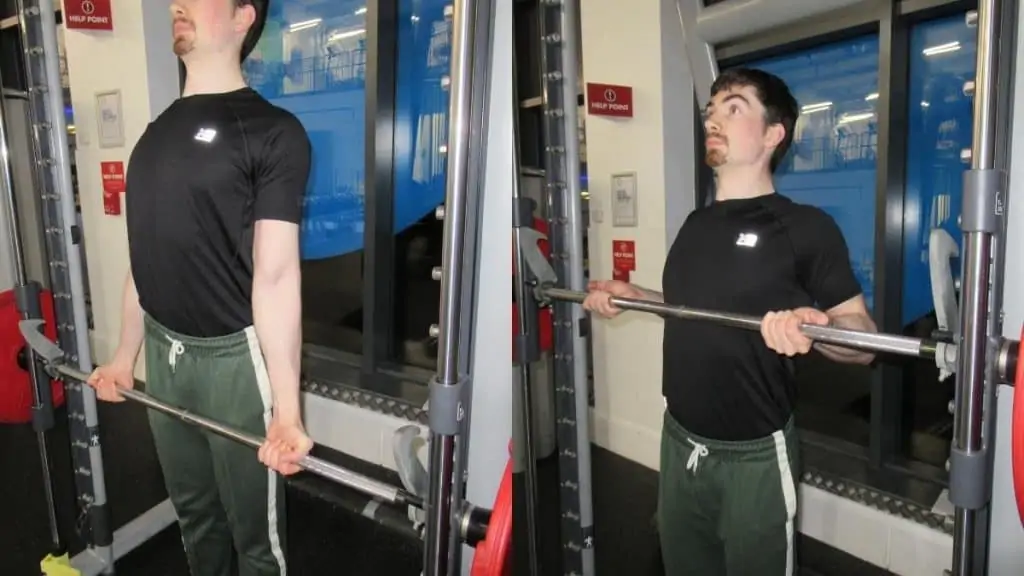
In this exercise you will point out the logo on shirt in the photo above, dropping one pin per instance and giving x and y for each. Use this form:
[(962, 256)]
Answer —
[(206, 135), (747, 239)]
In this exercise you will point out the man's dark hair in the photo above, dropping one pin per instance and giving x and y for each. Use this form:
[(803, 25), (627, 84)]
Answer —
[(779, 105), (256, 30)]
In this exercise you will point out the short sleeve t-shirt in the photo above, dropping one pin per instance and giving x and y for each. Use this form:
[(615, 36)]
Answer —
[(746, 256), (201, 176)]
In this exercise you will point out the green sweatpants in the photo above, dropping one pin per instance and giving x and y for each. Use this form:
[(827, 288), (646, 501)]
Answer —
[(727, 508), (230, 507)]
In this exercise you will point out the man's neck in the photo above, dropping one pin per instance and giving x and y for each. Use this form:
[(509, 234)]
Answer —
[(734, 183), (213, 76)]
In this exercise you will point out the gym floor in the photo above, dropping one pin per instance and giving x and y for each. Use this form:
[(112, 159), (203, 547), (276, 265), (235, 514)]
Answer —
[(323, 537), (625, 538)]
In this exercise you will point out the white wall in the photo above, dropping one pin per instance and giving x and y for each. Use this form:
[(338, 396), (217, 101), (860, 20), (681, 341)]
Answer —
[(627, 351), (103, 61)]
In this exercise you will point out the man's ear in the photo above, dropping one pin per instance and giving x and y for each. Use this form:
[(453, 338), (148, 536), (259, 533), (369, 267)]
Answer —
[(245, 17), (774, 135)]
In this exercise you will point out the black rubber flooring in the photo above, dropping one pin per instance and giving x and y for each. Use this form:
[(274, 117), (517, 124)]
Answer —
[(324, 536), (625, 536)]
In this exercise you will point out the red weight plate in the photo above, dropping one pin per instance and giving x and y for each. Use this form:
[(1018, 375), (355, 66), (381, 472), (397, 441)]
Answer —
[(1017, 435), (545, 329), (15, 386), (492, 556)]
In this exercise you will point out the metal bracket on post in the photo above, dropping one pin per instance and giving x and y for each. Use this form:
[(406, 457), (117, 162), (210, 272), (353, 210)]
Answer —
[(984, 201), (45, 348), (534, 259), (27, 298), (969, 486), (447, 407)]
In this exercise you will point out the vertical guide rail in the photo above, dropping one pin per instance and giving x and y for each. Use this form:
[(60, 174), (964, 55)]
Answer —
[(27, 294), (983, 207), (562, 165), (481, 23), (38, 30), (449, 389), (526, 340)]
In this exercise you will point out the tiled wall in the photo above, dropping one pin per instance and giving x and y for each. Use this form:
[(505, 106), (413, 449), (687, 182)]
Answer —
[(355, 431), (896, 544)]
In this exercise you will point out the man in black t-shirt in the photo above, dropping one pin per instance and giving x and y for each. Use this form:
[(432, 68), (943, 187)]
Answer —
[(728, 485), (214, 202)]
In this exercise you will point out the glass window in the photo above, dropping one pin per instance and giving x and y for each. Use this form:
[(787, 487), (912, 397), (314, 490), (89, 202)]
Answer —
[(421, 138), (311, 61), (832, 165), (940, 120)]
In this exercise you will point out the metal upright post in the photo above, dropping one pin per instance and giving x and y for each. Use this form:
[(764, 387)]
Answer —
[(27, 293), (451, 387), (38, 28), (983, 208), (560, 69), (481, 50)]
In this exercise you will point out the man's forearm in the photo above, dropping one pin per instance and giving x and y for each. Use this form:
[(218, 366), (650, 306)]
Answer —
[(861, 322), (131, 325), (651, 294), (277, 316)]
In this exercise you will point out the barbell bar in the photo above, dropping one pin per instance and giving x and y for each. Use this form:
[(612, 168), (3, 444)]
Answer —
[(1006, 353), (877, 342), (332, 472)]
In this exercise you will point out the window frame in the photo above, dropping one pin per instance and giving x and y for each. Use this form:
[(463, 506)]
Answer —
[(892, 20)]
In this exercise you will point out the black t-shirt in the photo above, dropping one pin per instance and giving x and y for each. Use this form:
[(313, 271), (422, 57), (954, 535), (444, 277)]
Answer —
[(200, 177), (746, 256)]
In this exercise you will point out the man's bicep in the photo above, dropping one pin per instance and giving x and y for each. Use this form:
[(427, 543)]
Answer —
[(828, 273), (283, 173)]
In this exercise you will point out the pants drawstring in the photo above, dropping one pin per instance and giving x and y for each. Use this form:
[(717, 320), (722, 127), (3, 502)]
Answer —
[(177, 349), (699, 451)]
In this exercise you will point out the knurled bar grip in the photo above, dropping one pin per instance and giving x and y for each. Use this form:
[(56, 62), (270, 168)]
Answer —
[(317, 466), (888, 343)]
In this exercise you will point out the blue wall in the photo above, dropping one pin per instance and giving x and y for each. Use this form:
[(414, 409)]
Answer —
[(311, 61)]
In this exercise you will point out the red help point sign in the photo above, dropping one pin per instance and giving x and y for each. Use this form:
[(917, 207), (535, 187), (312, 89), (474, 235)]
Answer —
[(113, 177), (88, 15), (624, 255), (609, 100)]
